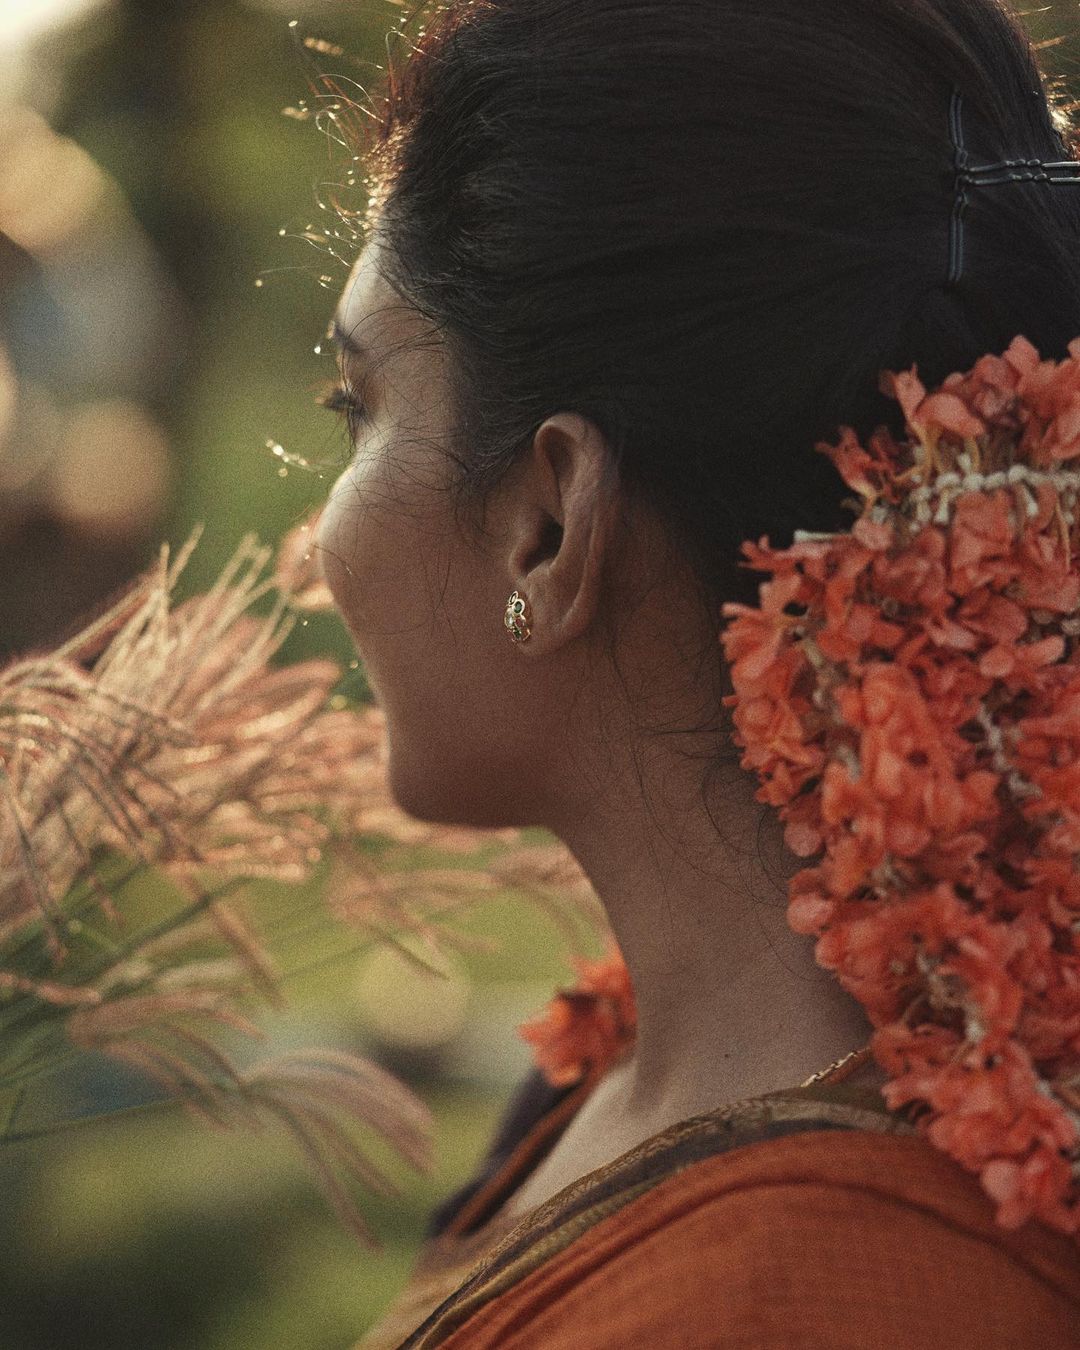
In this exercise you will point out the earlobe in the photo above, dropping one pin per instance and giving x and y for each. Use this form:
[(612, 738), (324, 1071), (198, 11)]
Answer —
[(568, 513), (518, 617)]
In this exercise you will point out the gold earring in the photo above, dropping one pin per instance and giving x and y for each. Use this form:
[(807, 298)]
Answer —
[(518, 618)]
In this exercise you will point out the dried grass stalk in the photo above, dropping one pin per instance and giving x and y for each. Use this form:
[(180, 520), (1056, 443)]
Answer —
[(160, 736)]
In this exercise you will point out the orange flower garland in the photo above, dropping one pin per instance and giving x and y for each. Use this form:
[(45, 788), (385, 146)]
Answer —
[(918, 722)]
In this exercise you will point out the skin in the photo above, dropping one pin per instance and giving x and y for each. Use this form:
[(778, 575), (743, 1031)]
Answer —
[(551, 732)]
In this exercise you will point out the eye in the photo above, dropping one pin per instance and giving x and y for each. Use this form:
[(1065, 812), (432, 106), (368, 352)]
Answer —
[(340, 398)]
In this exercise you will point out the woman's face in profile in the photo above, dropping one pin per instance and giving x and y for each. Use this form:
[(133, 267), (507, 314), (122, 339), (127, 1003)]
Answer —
[(423, 601)]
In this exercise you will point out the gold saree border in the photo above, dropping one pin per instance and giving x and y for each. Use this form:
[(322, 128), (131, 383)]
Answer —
[(559, 1221), (446, 1259)]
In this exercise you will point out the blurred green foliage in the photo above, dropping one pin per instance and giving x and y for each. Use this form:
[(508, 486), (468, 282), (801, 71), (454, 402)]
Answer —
[(153, 1231), (149, 1230), (183, 106)]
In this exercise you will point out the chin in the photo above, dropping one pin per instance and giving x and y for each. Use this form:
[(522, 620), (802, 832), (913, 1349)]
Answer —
[(410, 793), (431, 797)]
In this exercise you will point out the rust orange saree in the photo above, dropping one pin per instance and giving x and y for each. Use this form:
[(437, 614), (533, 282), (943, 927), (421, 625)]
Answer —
[(807, 1218)]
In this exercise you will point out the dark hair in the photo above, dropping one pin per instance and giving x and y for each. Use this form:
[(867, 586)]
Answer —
[(708, 225)]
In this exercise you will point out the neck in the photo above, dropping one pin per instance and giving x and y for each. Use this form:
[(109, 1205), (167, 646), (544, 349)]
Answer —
[(730, 1001)]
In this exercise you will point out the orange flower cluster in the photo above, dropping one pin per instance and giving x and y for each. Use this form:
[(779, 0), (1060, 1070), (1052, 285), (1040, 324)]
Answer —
[(909, 695), (587, 1029)]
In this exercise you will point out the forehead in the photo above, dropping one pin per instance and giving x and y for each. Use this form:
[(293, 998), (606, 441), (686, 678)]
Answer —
[(370, 313)]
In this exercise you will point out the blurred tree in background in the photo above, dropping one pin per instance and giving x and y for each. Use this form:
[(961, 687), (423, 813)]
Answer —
[(147, 171)]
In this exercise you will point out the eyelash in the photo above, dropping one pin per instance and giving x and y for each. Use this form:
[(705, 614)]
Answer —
[(340, 399)]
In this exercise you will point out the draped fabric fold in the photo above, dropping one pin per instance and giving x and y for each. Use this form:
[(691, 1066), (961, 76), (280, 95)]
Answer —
[(811, 1217)]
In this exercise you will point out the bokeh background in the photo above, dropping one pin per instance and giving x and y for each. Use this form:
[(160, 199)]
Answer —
[(163, 290), (168, 266)]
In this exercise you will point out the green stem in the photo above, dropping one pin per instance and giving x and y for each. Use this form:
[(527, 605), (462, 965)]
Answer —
[(20, 1097), (39, 1070), (75, 1122), (76, 905), (172, 922)]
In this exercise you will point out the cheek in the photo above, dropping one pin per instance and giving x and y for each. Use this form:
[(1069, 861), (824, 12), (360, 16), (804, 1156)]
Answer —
[(382, 550), (336, 551), (360, 550), (428, 628)]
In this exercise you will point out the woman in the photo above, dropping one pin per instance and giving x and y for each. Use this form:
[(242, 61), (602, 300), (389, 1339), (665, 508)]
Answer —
[(625, 262)]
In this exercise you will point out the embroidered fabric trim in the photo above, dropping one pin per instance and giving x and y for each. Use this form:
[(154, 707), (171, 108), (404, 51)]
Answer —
[(552, 1226)]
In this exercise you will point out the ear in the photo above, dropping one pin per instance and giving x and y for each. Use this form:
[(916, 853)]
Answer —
[(562, 528)]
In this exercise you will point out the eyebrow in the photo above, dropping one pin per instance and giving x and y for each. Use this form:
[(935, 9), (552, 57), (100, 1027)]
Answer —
[(346, 342)]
